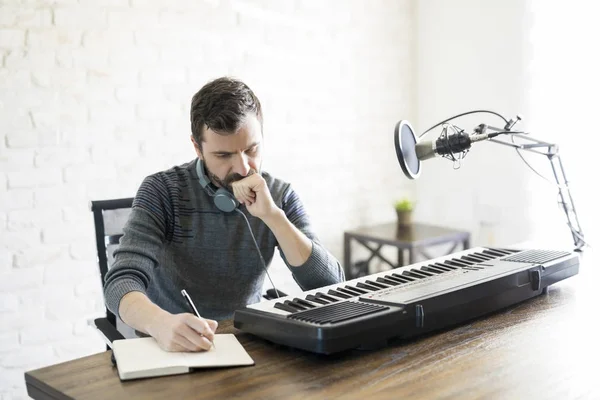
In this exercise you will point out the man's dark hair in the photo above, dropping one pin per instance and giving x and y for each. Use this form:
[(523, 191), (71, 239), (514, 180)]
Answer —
[(221, 106)]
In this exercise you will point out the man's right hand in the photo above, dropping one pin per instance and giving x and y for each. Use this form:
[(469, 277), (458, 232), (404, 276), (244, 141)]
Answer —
[(180, 332), (183, 332)]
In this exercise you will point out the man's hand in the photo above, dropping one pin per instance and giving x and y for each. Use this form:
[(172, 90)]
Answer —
[(183, 332), (252, 191)]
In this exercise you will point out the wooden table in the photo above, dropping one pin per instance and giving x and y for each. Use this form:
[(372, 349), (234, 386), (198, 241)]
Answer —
[(545, 348), (413, 239)]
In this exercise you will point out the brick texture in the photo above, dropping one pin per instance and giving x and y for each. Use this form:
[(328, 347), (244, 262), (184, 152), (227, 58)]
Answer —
[(94, 96)]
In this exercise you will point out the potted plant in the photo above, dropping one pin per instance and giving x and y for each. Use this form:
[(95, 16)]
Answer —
[(404, 209)]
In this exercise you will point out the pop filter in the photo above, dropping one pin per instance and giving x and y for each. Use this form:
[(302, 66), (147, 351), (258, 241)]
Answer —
[(405, 142)]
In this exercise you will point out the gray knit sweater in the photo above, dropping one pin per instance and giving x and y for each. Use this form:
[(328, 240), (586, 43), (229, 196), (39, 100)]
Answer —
[(176, 239)]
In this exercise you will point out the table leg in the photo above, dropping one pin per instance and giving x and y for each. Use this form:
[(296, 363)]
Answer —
[(411, 255), (375, 252), (400, 257), (347, 255)]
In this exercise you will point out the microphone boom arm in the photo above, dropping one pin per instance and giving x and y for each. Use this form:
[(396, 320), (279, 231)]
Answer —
[(410, 152), (550, 150)]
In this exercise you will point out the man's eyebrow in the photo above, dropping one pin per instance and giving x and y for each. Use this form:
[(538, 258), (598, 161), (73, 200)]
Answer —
[(225, 153), (228, 153)]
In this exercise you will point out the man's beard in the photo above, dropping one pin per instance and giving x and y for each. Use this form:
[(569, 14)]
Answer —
[(229, 179)]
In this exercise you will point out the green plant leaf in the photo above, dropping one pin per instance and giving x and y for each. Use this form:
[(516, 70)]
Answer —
[(404, 205)]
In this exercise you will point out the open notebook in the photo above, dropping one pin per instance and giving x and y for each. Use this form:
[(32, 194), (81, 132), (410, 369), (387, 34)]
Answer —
[(143, 358)]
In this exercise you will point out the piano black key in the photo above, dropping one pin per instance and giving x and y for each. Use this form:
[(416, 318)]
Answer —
[(355, 289), (465, 259), (444, 264), (464, 263), (338, 293), (431, 268), (413, 274), (376, 284), (349, 292), (392, 278), (304, 303), (285, 307), (296, 305), (494, 253), (404, 278), (484, 256), (366, 286), (387, 281), (456, 263), (324, 296), (314, 299), (424, 272), (443, 268), (478, 260), (474, 259), (505, 252)]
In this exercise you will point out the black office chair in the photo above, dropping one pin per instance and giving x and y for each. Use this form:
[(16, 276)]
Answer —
[(110, 217)]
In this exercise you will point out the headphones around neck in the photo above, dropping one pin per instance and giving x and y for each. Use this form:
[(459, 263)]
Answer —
[(223, 198)]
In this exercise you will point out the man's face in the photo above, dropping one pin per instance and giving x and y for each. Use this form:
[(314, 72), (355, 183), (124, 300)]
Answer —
[(232, 157)]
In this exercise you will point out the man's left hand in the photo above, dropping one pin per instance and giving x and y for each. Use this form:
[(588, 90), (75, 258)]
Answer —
[(253, 192)]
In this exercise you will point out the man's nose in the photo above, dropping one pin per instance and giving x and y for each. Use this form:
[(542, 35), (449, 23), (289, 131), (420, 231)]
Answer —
[(242, 165)]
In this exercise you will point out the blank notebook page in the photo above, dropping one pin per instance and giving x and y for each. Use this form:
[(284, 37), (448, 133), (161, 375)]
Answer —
[(142, 357)]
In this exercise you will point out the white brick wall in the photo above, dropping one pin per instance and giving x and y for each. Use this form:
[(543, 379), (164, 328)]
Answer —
[(94, 95)]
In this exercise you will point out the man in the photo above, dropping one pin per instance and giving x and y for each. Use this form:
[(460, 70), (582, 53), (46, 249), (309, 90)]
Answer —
[(176, 238)]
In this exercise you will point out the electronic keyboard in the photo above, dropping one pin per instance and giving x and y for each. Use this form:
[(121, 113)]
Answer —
[(408, 301)]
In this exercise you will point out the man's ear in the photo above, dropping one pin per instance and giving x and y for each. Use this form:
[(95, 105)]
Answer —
[(196, 147)]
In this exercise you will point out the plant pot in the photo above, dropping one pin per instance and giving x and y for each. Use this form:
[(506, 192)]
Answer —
[(404, 218)]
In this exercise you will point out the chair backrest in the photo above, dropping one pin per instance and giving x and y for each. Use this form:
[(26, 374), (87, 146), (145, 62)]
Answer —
[(110, 217)]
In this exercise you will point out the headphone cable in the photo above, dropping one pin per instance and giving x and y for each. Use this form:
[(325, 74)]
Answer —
[(262, 260)]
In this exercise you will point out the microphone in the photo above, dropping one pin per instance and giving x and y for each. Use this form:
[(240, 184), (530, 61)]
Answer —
[(410, 153), (455, 143)]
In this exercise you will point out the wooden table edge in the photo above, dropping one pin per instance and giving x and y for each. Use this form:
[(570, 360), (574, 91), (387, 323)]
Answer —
[(37, 389)]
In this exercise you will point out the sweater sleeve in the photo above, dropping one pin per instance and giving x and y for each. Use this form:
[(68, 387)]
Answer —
[(144, 234), (321, 268)]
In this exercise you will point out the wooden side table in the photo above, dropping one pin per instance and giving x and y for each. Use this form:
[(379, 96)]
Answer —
[(412, 239)]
